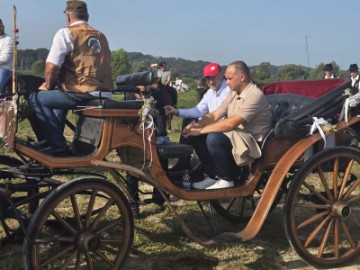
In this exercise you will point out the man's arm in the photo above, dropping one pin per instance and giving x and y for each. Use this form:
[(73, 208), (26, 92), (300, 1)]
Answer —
[(51, 76)]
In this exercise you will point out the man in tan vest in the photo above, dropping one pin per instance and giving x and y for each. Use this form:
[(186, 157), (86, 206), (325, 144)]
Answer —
[(77, 67)]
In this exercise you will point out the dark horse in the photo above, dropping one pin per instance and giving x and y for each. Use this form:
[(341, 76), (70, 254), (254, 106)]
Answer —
[(170, 96)]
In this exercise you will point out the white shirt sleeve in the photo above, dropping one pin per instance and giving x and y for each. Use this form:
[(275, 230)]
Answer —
[(6, 52), (198, 111), (62, 46)]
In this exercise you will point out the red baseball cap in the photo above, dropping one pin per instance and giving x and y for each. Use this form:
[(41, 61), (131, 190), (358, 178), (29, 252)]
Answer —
[(211, 70)]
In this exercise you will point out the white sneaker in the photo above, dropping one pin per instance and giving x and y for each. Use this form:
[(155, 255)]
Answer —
[(221, 184), (204, 183)]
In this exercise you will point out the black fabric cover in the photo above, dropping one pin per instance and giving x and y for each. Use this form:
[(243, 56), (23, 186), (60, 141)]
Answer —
[(139, 78), (297, 123)]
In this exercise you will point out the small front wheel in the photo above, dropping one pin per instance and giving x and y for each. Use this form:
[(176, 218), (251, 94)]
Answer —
[(82, 224), (322, 208)]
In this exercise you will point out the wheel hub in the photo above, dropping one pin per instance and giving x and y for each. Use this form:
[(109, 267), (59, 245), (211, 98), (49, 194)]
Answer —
[(341, 210), (88, 241)]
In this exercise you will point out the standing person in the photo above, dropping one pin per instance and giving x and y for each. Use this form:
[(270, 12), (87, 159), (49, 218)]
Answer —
[(210, 101), (79, 62), (354, 76), (163, 73), (233, 141), (329, 72), (6, 57)]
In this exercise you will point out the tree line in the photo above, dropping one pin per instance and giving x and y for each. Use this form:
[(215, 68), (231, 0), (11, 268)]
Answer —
[(33, 62)]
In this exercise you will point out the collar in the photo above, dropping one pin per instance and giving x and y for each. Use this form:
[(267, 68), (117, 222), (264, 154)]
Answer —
[(221, 88), (243, 93), (78, 22)]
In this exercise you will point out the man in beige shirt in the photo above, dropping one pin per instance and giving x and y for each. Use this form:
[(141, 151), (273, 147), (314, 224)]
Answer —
[(246, 111)]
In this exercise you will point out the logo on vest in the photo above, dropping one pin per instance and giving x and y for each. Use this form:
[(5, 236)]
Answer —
[(94, 45)]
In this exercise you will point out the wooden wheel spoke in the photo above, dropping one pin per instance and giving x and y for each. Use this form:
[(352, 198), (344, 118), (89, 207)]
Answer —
[(112, 241), (351, 189), (63, 222), (104, 258), (325, 239), (78, 261), (345, 178), (353, 199), (103, 211), (335, 177), (347, 234), (108, 226), (315, 192), (311, 220), (355, 209), (69, 260), (88, 261), (314, 206), (57, 255), (316, 231), (90, 208), (336, 239), (76, 211), (325, 184)]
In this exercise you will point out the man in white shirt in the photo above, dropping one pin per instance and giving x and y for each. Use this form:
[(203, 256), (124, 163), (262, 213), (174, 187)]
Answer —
[(77, 68), (329, 72), (211, 100), (6, 57), (354, 76)]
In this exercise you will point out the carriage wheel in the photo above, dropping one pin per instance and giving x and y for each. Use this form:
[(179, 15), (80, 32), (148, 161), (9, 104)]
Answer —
[(322, 208), (240, 209), (82, 224)]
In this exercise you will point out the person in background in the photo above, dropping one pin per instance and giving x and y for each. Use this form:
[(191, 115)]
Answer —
[(354, 76), (234, 129), (162, 73), (178, 84), (210, 101), (6, 57), (329, 72), (79, 62)]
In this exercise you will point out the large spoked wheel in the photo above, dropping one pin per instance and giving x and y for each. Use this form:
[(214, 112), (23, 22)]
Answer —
[(82, 224), (322, 208), (241, 209)]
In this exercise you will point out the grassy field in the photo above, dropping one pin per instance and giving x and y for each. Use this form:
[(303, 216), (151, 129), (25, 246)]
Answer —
[(160, 243)]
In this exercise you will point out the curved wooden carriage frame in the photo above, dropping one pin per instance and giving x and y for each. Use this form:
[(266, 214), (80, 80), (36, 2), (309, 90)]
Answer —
[(121, 128), (117, 134)]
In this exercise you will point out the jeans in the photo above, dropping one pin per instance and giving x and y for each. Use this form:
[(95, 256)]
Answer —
[(51, 108), (220, 149), (202, 150), (5, 75)]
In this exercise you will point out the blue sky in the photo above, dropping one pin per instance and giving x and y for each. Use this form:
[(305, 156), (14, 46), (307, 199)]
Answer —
[(221, 31)]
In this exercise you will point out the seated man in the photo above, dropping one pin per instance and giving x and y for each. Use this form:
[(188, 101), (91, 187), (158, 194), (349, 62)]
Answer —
[(6, 57), (81, 70), (232, 142), (211, 100)]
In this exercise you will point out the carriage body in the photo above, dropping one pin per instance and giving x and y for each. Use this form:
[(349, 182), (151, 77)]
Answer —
[(119, 127)]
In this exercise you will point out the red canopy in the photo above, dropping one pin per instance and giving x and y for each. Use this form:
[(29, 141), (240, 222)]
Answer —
[(311, 88)]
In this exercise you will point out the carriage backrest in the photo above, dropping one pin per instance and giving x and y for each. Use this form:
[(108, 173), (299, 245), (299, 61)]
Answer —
[(282, 105)]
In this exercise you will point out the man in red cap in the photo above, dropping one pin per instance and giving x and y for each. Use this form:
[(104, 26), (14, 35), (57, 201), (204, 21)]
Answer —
[(234, 129), (211, 100)]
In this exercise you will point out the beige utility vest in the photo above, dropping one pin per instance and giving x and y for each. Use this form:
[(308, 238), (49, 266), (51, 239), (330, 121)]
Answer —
[(88, 67)]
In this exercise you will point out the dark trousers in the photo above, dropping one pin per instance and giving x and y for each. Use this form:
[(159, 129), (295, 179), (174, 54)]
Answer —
[(220, 157)]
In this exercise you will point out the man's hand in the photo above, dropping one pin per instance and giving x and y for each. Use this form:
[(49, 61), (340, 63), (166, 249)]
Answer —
[(170, 110), (192, 129), (43, 87)]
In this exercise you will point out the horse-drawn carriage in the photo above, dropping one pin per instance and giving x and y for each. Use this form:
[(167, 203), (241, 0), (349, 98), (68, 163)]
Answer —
[(73, 216)]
